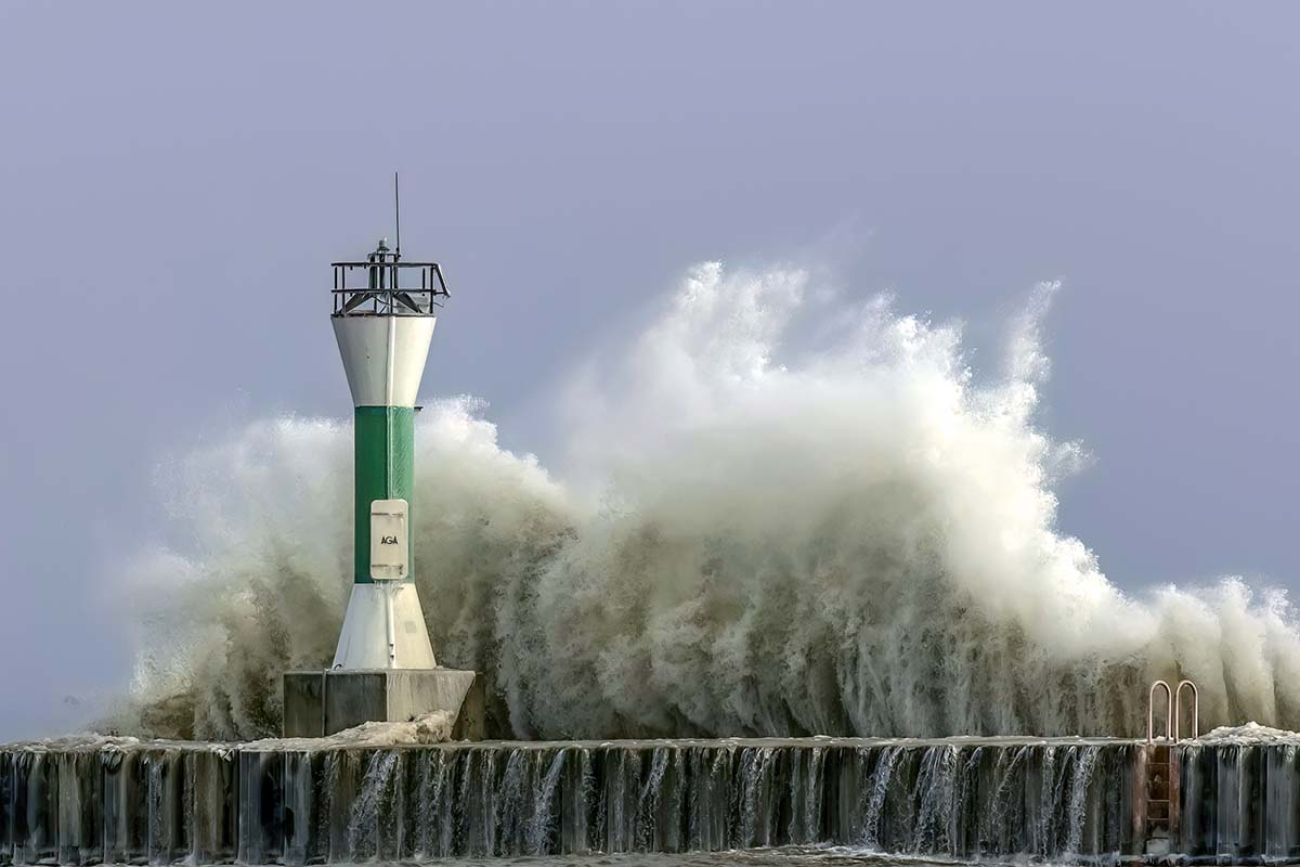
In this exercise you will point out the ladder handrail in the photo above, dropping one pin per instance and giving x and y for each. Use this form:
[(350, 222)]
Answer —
[(1151, 709), (1178, 709)]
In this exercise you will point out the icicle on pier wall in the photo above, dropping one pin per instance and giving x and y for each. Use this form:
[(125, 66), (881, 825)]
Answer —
[(1064, 799)]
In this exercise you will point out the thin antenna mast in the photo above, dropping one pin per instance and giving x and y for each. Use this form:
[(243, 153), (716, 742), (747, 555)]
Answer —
[(397, 212)]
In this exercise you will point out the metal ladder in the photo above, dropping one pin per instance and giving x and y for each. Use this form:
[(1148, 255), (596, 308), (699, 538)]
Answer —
[(1160, 790)]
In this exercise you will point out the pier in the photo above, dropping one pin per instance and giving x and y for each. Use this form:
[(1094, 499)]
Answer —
[(1064, 799)]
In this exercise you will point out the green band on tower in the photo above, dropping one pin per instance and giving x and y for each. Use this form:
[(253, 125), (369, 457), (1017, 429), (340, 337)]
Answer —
[(385, 470)]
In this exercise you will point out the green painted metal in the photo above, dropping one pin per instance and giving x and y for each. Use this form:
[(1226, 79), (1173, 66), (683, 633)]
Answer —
[(384, 466)]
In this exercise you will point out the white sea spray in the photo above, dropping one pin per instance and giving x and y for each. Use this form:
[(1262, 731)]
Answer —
[(749, 536)]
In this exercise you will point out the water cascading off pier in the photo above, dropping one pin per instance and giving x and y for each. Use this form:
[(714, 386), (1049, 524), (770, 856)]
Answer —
[(123, 802)]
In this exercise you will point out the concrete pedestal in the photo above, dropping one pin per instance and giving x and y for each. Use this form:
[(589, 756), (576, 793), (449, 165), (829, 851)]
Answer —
[(321, 703)]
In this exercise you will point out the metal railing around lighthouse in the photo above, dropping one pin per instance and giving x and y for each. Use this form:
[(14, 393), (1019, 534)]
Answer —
[(384, 293)]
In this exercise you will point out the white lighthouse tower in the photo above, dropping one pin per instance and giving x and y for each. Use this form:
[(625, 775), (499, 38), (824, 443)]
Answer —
[(384, 311), (383, 324)]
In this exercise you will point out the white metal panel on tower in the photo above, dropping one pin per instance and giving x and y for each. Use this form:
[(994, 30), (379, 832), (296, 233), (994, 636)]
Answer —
[(384, 356), (388, 534)]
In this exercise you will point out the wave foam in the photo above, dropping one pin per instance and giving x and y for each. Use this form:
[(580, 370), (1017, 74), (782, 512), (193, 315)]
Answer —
[(761, 534)]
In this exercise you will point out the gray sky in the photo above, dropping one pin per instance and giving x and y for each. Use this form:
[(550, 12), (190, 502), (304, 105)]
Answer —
[(174, 182)]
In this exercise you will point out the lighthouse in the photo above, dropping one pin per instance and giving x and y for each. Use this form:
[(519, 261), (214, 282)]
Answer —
[(383, 314)]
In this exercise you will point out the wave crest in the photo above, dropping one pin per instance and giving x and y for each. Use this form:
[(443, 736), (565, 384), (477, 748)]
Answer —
[(781, 516)]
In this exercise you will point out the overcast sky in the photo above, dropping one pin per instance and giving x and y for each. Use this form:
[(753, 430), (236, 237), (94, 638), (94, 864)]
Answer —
[(174, 182)]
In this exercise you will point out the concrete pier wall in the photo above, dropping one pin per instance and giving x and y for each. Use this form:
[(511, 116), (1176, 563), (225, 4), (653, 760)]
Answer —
[(213, 804)]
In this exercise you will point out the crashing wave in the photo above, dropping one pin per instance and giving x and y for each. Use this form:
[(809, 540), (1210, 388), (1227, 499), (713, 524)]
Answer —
[(778, 515)]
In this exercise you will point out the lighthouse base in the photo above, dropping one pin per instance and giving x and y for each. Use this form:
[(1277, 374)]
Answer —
[(322, 703), (384, 629)]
